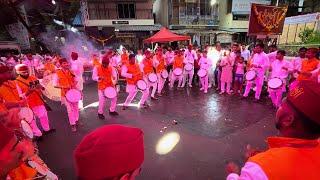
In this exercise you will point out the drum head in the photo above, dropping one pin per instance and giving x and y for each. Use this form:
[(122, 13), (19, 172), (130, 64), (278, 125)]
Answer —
[(26, 114), (152, 77), (50, 91), (177, 71), (142, 85), (110, 92), (202, 73), (250, 75), (188, 67), (73, 95), (275, 83), (26, 129), (40, 169), (164, 74)]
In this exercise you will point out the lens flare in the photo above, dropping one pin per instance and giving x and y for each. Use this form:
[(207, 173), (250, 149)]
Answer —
[(167, 143)]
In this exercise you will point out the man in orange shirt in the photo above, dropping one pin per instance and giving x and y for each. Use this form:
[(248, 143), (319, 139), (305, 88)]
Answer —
[(147, 66), (160, 62), (30, 90), (105, 75), (124, 57), (66, 80), (295, 154), (133, 74), (177, 63), (309, 66)]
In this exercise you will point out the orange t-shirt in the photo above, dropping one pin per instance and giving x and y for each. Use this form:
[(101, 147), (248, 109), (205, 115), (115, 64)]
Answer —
[(161, 66), (95, 62), (178, 62), (308, 66), (3, 108), (136, 73), (49, 66), (124, 59), (290, 158), (65, 80), (148, 66), (33, 99), (9, 92), (106, 74)]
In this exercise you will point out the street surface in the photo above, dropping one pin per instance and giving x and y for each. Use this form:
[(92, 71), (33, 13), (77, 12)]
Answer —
[(213, 130)]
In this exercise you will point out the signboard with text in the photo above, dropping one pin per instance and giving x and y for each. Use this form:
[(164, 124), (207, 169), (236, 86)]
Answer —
[(243, 6)]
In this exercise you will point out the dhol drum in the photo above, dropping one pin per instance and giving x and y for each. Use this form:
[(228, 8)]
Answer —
[(188, 67), (73, 95), (164, 74), (50, 91), (110, 92), (152, 77), (42, 169), (26, 129), (202, 73), (251, 75), (177, 71), (26, 114), (275, 83), (142, 85)]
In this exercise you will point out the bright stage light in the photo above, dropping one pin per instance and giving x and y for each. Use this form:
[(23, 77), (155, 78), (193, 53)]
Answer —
[(213, 2), (53, 2), (167, 143)]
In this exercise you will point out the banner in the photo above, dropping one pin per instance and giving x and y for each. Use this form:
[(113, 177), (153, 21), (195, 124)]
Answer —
[(266, 20)]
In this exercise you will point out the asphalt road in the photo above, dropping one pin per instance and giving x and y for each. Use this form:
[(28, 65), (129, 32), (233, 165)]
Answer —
[(213, 129)]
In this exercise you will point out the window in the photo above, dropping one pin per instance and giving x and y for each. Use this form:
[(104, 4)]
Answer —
[(205, 7), (126, 11)]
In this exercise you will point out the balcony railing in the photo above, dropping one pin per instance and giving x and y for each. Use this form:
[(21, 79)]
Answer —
[(193, 20)]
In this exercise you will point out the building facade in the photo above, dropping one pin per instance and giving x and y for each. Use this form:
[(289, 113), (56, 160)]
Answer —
[(125, 22), (197, 18)]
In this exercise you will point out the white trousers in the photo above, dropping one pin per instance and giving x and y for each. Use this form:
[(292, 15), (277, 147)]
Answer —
[(174, 78), (41, 113), (160, 82), (102, 102), (132, 92), (258, 82), (72, 110), (151, 85), (187, 75), (204, 82), (223, 86)]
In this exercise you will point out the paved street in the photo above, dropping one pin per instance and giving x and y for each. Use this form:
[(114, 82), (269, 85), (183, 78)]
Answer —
[(213, 129)]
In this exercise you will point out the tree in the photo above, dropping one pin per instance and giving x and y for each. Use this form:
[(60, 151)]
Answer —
[(309, 36)]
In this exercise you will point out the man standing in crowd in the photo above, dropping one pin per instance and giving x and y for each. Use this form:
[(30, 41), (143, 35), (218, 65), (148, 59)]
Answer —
[(296, 63), (105, 75), (148, 66), (259, 64), (295, 153), (77, 69), (280, 68), (30, 89), (189, 58), (66, 80), (309, 66), (110, 152), (245, 53), (132, 73)]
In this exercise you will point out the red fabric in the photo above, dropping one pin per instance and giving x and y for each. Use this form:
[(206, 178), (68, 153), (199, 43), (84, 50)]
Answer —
[(165, 35), (21, 68), (5, 136), (306, 98), (109, 151)]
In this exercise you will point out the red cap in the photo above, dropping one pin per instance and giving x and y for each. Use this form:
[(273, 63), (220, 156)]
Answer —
[(5, 136), (21, 68), (109, 151), (306, 98), (74, 55), (105, 59)]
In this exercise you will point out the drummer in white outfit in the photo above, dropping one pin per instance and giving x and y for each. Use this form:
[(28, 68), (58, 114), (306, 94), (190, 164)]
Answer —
[(189, 58), (280, 68), (100, 74), (205, 64), (160, 64), (133, 73), (260, 62), (148, 66), (77, 69), (169, 55)]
